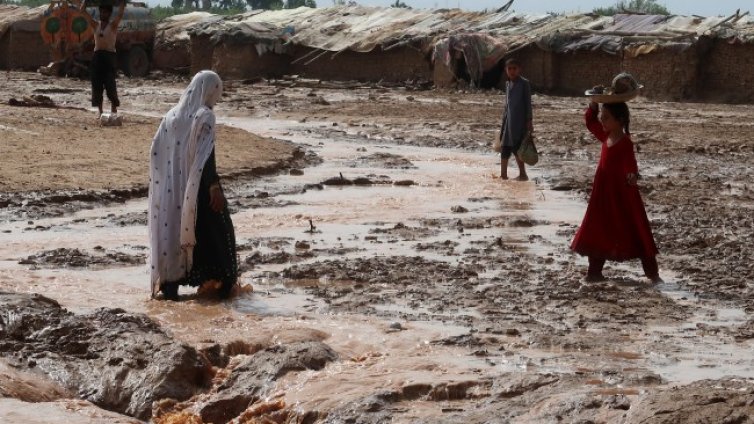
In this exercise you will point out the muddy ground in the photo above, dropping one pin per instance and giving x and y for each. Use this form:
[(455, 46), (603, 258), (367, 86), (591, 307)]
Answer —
[(394, 279)]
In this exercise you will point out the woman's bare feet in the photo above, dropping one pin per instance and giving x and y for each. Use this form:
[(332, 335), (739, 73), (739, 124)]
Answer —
[(209, 288), (522, 177)]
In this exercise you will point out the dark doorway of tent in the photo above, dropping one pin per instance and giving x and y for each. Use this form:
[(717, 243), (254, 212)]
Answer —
[(493, 77)]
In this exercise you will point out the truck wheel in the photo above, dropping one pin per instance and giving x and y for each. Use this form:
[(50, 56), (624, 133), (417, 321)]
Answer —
[(137, 62)]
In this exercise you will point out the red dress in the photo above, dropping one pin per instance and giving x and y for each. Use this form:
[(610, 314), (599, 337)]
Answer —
[(615, 225)]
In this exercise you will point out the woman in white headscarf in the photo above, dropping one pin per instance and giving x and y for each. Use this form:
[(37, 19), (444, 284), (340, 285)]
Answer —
[(190, 232)]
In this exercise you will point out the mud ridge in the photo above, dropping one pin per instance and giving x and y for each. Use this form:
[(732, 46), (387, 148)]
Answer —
[(65, 257), (117, 360), (249, 380), (32, 205)]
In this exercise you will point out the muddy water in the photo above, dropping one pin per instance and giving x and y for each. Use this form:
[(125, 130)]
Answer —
[(58, 412), (391, 348)]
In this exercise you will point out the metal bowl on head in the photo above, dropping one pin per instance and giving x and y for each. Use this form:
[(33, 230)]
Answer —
[(623, 89)]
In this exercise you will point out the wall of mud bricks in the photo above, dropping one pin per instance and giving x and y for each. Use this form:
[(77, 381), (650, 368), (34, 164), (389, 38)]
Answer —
[(581, 70), (727, 73), (241, 61), (396, 65), (667, 74), (202, 52), (23, 50), (718, 71), (538, 66), (172, 57), (711, 70)]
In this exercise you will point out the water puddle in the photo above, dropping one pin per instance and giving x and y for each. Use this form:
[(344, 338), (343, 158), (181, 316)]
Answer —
[(442, 180), (704, 349), (277, 301)]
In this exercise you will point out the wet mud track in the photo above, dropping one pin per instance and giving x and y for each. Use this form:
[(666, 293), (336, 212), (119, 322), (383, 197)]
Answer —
[(426, 292)]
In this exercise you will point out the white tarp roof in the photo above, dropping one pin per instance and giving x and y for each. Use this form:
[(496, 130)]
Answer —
[(362, 28), (20, 18), (175, 28)]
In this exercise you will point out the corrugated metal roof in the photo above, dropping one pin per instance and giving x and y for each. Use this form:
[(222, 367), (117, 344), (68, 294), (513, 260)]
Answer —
[(692, 24), (637, 23), (630, 32)]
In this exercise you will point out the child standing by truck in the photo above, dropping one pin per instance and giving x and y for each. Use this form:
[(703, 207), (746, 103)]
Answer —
[(104, 62)]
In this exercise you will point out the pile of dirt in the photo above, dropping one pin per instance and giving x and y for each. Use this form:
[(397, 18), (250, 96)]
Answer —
[(63, 149)]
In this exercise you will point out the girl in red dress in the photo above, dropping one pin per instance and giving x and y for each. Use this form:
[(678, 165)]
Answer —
[(615, 225)]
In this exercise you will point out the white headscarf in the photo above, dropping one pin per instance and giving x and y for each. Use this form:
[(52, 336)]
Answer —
[(180, 148)]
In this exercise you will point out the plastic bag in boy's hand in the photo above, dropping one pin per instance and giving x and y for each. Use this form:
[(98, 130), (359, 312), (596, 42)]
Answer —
[(528, 151)]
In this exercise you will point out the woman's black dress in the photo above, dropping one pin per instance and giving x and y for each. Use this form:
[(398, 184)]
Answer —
[(215, 250)]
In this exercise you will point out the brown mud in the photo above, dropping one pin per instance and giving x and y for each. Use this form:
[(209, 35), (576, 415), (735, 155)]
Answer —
[(52, 157), (394, 279)]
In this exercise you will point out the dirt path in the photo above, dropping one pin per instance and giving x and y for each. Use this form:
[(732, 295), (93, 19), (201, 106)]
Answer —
[(64, 149), (426, 290)]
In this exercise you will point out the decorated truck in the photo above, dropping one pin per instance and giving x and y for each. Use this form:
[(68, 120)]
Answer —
[(70, 36)]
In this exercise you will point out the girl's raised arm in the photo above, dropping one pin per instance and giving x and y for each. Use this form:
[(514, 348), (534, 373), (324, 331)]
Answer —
[(593, 123)]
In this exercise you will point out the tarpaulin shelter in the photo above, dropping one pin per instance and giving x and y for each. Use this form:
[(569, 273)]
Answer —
[(560, 52), (21, 46), (172, 44), (675, 56)]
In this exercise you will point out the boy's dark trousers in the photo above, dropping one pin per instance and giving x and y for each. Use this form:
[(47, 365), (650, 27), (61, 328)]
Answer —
[(104, 65)]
